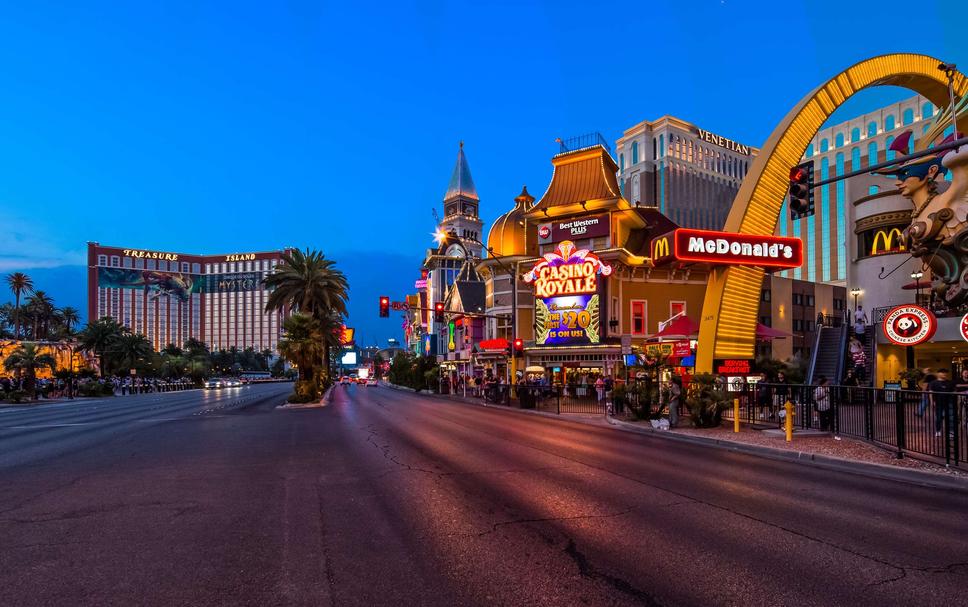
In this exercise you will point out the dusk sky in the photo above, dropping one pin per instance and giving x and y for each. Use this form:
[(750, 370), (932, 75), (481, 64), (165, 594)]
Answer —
[(204, 127)]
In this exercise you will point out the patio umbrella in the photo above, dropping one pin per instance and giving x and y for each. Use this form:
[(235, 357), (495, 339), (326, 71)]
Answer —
[(765, 333), (681, 328), (917, 285)]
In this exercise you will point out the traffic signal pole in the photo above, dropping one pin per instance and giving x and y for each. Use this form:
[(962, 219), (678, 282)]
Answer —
[(898, 160)]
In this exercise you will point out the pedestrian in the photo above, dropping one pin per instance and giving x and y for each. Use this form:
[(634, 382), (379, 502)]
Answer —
[(860, 320), (762, 396), (821, 399), (962, 388), (781, 392), (675, 395), (600, 389), (926, 380), (942, 392), (849, 383)]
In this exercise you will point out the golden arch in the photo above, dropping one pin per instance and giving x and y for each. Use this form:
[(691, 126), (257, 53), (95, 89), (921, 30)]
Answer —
[(886, 238), (728, 323)]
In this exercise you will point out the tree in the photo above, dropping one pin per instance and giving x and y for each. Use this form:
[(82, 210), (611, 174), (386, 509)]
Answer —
[(98, 336), (19, 284), (129, 348), (40, 309), (7, 319), (302, 343), (309, 283), (67, 318), (195, 347), (26, 359), (266, 355), (172, 350)]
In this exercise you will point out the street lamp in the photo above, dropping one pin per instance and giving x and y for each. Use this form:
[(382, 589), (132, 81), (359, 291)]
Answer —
[(856, 293), (917, 285)]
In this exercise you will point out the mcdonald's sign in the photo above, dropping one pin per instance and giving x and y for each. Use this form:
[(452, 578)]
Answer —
[(727, 248), (662, 248), (884, 241)]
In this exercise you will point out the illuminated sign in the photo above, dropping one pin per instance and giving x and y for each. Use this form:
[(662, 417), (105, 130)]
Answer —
[(885, 238), (420, 285), (240, 257), (347, 335), (567, 300), (150, 254), (964, 327), (349, 359), (706, 246), (662, 349), (722, 142), (909, 325), (733, 366), (233, 283), (156, 284), (568, 229)]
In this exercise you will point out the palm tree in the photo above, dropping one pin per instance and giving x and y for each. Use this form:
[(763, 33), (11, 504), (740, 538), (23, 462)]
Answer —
[(266, 355), (7, 316), (302, 343), (129, 348), (98, 336), (309, 283), (26, 359), (41, 310), (70, 316), (19, 284)]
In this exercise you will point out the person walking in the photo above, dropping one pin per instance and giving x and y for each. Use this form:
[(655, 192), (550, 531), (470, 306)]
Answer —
[(929, 377), (781, 392), (675, 395), (821, 399), (962, 388), (600, 388), (942, 392), (860, 321)]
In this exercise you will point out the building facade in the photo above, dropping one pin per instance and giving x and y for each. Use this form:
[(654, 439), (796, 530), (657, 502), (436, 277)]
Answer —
[(172, 297), (688, 173)]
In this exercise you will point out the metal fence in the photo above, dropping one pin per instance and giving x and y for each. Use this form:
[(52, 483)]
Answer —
[(907, 421), (584, 398)]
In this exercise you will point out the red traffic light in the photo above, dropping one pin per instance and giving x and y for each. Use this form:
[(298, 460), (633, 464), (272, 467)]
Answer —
[(797, 174), (384, 301), (384, 306), (439, 311), (519, 344)]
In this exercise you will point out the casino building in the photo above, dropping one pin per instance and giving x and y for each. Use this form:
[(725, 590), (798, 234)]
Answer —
[(171, 297)]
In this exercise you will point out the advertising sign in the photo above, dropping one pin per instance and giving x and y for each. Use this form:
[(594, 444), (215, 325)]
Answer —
[(731, 366), (964, 327), (909, 325), (567, 297), (575, 228), (681, 348), (347, 336), (237, 282), (665, 348), (157, 284), (349, 359), (728, 248)]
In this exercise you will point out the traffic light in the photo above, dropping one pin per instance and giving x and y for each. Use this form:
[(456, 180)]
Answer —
[(439, 311), (384, 306), (518, 347), (801, 190)]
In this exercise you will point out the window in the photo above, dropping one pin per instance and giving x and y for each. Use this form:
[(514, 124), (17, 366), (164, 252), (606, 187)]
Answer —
[(676, 307), (115, 261), (621, 161), (797, 324), (839, 304), (872, 153), (889, 153), (854, 135), (873, 189), (871, 129), (927, 110), (889, 123), (810, 300), (907, 117), (635, 152), (102, 260), (798, 299), (839, 140), (765, 295), (766, 321), (855, 158), (638, 317), (824, 145), (809, 325)]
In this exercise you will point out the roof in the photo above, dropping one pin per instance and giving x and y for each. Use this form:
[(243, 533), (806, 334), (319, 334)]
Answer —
[(507, 235), (656, 224), (579, 176), (461, 183), (471, 295)]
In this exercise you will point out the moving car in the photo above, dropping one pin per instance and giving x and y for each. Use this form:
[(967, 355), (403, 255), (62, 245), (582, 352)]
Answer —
[(214, 383), (344, 381), (232, 382), (371, 382)]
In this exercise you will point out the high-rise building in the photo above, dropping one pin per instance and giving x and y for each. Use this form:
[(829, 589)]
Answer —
[(691, 175), (836, 150), (171, 297)]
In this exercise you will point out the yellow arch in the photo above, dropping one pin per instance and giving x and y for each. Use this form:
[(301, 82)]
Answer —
[(729, 312)]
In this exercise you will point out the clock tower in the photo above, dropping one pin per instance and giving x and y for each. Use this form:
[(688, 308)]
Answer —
[(461, 206)]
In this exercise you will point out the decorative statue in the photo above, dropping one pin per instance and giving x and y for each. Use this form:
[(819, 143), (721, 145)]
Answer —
[(938, 234)]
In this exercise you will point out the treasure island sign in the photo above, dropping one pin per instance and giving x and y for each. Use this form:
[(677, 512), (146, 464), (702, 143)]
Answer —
[(567, 298)]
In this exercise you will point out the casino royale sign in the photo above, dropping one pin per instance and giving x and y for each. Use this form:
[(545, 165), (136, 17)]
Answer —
[(706, 246), (567, 302)]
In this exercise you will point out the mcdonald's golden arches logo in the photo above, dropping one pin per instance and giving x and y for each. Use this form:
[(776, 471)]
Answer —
[(884, 241), (660, 248)]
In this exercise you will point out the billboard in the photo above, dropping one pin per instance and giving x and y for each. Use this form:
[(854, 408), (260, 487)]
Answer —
[(595, 226), (349, 359), (236, 282), (156, 284), (707, 246), (567, 289)]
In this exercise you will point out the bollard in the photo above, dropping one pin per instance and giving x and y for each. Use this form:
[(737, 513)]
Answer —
[(789, 421), (735, 415)]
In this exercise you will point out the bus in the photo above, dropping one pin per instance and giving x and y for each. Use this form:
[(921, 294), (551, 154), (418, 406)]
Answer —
[(251, 377)]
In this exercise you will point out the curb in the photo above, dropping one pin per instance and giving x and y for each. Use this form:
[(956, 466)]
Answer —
[(882, 471), (839, 464)]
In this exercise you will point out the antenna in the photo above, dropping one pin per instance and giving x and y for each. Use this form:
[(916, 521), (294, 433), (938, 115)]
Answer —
[(436, 216)]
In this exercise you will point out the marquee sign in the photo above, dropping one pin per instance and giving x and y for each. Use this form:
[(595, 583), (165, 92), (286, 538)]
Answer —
[(727, 248), (595, 226), (909, 325), (721, 141), (567, 296)]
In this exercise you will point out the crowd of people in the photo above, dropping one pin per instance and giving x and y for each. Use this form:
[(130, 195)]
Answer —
[(55, 388)]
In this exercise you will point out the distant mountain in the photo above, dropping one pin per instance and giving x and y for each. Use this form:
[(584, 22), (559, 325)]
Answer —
[(370, 274)]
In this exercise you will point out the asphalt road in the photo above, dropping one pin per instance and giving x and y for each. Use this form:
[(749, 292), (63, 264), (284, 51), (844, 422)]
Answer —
[(389, 498)]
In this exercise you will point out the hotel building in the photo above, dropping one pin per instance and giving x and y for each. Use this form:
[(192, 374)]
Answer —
[(688, 173), (171, 297)]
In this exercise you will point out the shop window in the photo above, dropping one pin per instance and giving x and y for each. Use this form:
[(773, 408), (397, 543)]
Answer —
[(676, 307), (638, 315)]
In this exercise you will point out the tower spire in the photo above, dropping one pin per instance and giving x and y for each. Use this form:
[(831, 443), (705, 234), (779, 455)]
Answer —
[(461, 183)]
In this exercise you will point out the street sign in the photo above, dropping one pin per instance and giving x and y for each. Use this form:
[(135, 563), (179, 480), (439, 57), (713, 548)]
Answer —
[(626, 344), (399, 306)]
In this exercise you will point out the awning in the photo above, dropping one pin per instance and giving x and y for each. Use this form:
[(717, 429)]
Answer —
[(534, 369), (681, 328), (765, 333)]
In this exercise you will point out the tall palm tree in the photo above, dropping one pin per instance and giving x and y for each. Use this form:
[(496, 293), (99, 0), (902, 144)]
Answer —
[(70, 316), (41, 309), (19, 284), (27, 359), (302, 343), (98, 336), (129, 348), (309, 283)]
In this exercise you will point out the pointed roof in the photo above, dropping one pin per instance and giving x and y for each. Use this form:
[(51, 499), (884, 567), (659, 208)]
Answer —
[(461, 183), (580, 176)]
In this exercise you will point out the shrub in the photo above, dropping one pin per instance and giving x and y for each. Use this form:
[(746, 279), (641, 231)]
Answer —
[(706, 400), (16, 396), (298, 399)]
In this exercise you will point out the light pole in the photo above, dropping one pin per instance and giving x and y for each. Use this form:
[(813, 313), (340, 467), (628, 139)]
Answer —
[(856, 293), (917, 285)]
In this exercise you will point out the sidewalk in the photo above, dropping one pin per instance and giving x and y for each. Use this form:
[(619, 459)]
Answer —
[(836, 453)]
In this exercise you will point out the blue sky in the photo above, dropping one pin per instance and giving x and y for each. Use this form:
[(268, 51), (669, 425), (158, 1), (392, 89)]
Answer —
[(215, 127)]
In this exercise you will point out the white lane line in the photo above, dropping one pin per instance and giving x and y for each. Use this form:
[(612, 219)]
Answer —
[(50, 426)]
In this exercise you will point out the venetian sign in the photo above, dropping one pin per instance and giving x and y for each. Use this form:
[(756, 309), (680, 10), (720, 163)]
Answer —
[(728, 248), (567, 300)]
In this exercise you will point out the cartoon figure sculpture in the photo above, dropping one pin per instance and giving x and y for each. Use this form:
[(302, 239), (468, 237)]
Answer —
[(938, 234)]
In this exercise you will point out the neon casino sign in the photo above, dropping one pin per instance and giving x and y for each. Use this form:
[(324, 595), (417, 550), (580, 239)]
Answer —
[(567, 305)]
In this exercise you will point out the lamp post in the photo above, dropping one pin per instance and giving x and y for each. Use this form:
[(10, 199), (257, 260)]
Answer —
[(917, 285), (856, 293)]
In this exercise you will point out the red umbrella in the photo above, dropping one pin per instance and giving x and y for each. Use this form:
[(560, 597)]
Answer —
[(916, 285), (681, 328), (764, 333)]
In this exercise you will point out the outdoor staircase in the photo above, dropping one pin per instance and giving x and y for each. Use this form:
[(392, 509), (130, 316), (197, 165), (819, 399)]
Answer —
[(828, 354)]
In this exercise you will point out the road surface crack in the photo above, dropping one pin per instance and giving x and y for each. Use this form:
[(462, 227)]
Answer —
[(587, 570)]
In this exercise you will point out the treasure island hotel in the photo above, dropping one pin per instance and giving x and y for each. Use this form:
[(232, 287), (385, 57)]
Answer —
[(171, 297)]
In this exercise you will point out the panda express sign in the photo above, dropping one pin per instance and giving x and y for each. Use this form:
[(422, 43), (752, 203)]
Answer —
[(706, 246)]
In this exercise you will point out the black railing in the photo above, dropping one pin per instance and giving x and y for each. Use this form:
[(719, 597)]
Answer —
[(928, 424), (583, 141)]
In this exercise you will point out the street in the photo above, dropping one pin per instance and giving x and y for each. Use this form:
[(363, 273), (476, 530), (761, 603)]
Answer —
[(391, 498)]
